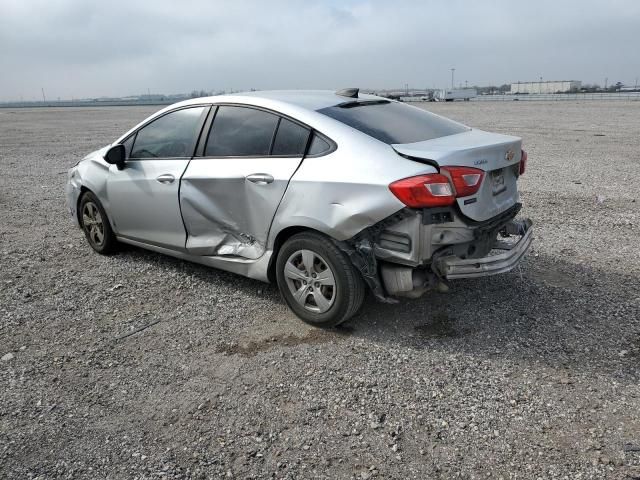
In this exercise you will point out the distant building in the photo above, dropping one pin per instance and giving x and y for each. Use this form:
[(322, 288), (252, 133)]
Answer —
[(560, 86)]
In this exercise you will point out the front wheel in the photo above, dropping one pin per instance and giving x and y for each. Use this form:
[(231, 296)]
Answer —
[(96, 226), (318, 281)]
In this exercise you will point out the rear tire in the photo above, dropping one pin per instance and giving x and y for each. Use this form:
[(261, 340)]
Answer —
[(95, 225), (318, 281)]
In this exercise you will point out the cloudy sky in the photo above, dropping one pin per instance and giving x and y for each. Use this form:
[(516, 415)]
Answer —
[(86, 48)]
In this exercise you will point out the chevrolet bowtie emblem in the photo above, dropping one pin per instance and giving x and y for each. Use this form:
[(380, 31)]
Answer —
[(509, 155)]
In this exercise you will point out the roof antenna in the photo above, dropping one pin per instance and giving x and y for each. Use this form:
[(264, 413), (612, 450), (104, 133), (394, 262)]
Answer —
[(348, 92)]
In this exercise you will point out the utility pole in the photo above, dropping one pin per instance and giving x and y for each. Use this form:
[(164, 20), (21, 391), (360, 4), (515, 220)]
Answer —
[(452, 72), (606, 80), (44, 99), (466, 84)]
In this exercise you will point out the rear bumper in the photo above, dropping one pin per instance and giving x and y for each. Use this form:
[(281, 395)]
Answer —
[(452, 267)]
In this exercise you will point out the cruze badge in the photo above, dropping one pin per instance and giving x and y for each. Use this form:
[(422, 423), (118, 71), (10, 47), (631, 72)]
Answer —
[(480, 162), (509, 155)]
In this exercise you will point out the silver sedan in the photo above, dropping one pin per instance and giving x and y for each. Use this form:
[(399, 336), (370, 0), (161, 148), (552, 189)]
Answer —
[(326, 193)]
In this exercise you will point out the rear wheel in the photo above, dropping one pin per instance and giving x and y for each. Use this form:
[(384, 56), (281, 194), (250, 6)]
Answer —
[(318, 281), (96, 226)]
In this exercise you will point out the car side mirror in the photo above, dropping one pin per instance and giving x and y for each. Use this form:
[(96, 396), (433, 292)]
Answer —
[(116, 155)]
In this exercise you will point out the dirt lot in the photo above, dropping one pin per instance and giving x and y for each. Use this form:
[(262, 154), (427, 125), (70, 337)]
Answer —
[(532, 374)]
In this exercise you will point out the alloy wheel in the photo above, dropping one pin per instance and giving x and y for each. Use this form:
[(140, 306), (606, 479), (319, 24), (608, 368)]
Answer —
[(92, 223), (310, 281)]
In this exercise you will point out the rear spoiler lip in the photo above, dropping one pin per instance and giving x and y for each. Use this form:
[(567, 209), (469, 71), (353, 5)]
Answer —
[(426, 161)]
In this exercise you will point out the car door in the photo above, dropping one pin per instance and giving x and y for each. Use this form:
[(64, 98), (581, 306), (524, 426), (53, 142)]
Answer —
[(229, 194), (143, 197)]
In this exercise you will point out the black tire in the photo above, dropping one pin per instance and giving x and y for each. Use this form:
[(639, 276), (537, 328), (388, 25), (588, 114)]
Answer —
[(345, 296), (95, 225)]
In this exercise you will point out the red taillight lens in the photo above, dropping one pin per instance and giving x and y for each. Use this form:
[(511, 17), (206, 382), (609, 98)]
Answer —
[(433, 190), (523, 162), (466, 180)]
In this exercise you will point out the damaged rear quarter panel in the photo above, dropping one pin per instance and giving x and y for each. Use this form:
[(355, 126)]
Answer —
[(346, 191)]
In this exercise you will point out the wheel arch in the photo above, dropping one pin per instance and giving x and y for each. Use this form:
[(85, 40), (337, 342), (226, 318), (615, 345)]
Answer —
[(83, 190), (282, 236)]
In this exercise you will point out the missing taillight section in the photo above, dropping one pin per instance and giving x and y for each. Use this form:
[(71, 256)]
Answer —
[(432, 190), (466, 180), (438, 189), (523, 161)]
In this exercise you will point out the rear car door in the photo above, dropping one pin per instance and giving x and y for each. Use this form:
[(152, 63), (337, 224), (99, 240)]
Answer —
[(143, 197), (231, 191)]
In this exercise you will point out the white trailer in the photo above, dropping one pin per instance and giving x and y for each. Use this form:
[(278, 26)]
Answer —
[(449, 95)]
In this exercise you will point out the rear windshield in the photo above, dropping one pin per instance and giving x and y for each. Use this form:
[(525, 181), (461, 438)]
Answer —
[(392, 122)]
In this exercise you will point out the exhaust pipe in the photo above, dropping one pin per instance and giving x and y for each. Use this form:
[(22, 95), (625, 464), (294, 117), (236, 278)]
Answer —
[(409, 282)]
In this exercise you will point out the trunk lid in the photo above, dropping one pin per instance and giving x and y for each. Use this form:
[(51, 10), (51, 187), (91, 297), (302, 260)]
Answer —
[(497, 155)]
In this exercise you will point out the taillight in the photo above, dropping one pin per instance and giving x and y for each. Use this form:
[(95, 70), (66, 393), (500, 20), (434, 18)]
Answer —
[(433, 190), (466, 180), (523, 162)]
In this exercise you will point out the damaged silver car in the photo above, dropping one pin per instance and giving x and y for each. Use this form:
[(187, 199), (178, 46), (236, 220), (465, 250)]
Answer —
[(327, 194)]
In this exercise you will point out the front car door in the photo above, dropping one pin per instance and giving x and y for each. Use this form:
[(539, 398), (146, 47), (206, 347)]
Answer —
[(229, 195), (143, 197)]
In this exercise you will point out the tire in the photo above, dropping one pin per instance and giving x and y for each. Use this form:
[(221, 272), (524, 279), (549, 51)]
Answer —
[(95, 225), (326, 294)]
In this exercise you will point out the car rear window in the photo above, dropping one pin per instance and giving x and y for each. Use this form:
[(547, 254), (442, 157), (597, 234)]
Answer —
[(392, 122)]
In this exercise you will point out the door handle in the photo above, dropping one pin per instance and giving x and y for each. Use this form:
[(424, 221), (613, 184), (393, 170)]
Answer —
[(260, 178), (166, 178)]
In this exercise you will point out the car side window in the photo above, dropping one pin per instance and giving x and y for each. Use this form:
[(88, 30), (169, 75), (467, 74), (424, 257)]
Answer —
[(318, 145), (291, 139), (171, 136), (240, 131)]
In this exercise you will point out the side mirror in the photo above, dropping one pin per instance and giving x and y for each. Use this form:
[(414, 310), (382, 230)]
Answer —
[(116, 156)]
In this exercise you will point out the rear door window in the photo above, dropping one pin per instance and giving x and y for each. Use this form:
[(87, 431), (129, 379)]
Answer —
[(240, 131), (393, 122), (291, 139), (171, 136)]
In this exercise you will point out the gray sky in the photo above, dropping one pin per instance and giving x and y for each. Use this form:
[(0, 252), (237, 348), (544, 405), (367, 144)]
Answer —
[(80, 48)]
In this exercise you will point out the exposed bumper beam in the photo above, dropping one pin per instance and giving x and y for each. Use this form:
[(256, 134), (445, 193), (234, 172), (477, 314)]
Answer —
[(453, 268)]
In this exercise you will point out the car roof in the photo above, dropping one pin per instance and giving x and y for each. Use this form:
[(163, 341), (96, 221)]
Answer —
[(299, 104), (307, 99)]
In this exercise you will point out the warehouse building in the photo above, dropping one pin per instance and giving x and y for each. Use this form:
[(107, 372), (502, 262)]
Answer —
[(560, 86)]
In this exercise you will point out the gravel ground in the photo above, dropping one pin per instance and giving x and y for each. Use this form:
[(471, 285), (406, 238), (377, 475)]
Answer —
[(532, 374)]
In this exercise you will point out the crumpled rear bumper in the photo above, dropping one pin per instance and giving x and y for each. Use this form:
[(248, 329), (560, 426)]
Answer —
[(452, 267)]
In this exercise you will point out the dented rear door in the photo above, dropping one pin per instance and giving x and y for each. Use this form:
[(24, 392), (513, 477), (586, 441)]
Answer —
[(228, 197)]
